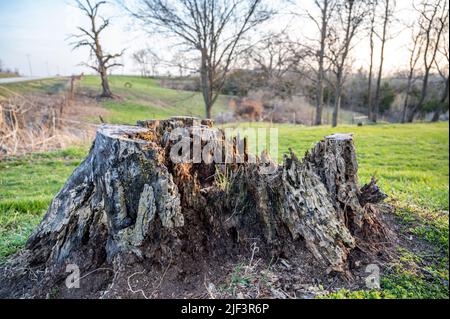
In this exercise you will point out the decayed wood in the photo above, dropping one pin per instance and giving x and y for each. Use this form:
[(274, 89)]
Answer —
[(127, 197), (108, 203)]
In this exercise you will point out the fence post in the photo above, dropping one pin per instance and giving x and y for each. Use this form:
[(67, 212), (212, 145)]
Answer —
[(1, 115), (53, 122)]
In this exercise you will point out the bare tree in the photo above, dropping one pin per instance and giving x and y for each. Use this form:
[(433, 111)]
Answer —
[(1, 65), (389, 7), (182, 63), (90, 37), (372, 14), (154, 61), (443, 70), (432, 21), (350, 15), (326, 9), (140, 58), (274, 56), (414, 56), (147, 61), (214, 28)]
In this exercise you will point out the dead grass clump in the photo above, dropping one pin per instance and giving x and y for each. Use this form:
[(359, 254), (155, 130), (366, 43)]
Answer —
[(37, 123), (246, 108)]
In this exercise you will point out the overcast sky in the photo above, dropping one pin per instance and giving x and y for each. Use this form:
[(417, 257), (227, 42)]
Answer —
[(34, 32)]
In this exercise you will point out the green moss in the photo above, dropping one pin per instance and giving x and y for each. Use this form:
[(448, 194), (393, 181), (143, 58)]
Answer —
[(360, 294), (407, 284)]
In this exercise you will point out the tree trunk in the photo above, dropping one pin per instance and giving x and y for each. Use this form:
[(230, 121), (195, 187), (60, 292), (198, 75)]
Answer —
[(424, 91), (206, 83), (423, 95), (128, 207), (337, 106), (106, 91), (319, 102), (369, 87), (380, 70), (412, 114), (405, 110), (442, 101), (436, 116), (376, 108), (408, 92), (321, 72)]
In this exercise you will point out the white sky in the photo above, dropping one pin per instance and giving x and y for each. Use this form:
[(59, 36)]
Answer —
[(39, 28)]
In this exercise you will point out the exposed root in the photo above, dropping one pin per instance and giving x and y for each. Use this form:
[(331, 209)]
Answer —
[(374, 238), (130, 288)]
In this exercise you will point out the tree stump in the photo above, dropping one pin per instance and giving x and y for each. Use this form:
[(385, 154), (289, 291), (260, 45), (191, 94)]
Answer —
[(128, 206)]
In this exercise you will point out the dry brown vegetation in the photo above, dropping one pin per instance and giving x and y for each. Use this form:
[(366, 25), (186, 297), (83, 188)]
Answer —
[(246, 108), (260, 106), (41, 122)]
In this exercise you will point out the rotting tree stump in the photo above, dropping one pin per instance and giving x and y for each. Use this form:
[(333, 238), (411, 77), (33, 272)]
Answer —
[(128, 206)]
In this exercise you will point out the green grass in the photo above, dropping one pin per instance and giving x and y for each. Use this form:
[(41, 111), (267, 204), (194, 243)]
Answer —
[(147, 99), (7, 75), (411, 162), (27, 186), (47, 86)]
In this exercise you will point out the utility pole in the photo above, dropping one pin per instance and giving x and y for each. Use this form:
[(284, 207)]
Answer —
[(29, 64), (48, 70)]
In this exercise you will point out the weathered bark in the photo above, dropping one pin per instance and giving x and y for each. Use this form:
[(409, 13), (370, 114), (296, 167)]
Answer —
[(128, 198)]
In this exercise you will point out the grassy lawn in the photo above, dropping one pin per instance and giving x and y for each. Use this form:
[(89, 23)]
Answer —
[(27, 186), (47, 86), (7, 75), (411, 162), (147, 99)]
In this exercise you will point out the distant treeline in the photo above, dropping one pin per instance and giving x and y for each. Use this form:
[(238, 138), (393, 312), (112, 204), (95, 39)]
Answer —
[(244, 83)]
